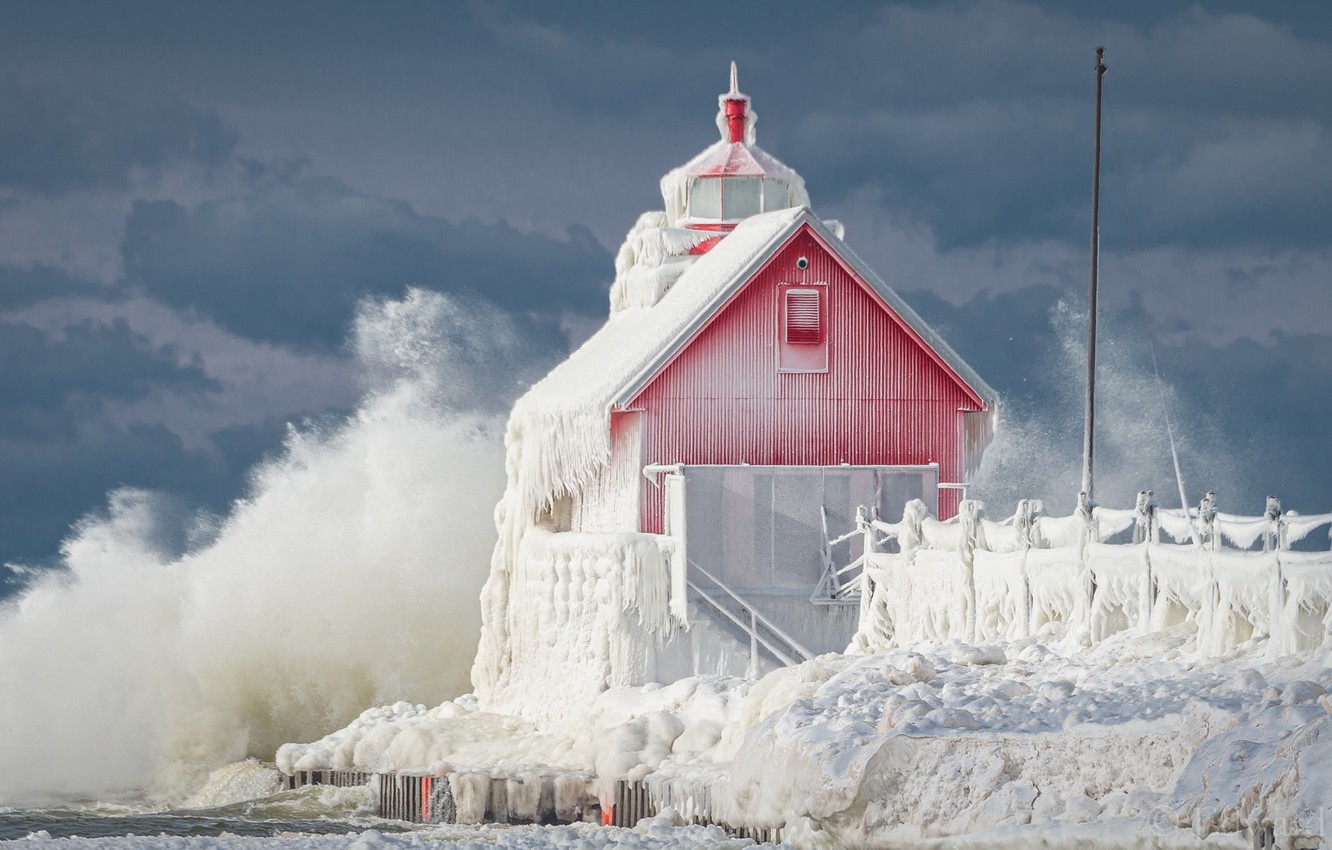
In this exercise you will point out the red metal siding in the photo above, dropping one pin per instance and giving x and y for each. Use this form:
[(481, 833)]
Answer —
[(883, 400)]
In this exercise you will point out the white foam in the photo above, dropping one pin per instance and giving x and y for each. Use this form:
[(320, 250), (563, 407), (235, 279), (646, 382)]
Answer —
[(348, 577)]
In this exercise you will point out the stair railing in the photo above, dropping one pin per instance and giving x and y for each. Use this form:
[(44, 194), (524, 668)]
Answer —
[(787, 649)]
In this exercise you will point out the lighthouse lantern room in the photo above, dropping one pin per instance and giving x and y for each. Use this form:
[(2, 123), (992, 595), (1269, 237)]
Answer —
[(734, 179)]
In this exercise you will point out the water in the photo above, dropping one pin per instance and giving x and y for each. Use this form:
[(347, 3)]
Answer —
[(172, 644), (314, 810), (58, 823)]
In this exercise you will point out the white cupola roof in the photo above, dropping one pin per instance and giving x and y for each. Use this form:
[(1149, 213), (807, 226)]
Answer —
[(732, 179)]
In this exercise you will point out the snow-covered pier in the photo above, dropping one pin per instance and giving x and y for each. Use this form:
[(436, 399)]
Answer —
[(1101, 571)]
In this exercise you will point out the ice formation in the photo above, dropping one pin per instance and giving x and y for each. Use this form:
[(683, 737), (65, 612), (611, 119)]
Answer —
[(1137, 734), (973, 579), (1014, 681)]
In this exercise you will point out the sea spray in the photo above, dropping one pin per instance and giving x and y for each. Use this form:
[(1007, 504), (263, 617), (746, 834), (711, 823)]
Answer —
[(348, 577), (1037, 450)]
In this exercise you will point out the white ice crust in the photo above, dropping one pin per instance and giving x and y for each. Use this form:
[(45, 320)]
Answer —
[(1139, 733)]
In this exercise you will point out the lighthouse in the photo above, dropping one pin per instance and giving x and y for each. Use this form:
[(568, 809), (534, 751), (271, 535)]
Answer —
[(755, 386)]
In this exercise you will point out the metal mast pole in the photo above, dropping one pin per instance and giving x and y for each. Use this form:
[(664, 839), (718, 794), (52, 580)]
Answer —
[(1090, 419)]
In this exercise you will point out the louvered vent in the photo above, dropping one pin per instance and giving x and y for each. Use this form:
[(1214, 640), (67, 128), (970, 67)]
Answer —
[(802, 316)]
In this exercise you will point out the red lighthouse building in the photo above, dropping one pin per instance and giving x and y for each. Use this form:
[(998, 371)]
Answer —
[(755, 384)]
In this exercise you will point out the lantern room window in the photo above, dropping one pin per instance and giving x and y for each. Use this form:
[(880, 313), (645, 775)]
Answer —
[(741, 197), (734, 198), (705, 198), (776, 194)]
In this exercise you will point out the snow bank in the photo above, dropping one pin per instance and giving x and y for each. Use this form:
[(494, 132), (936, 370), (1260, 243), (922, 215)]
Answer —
[(1275, 768), (938, 741), (1137, 735)]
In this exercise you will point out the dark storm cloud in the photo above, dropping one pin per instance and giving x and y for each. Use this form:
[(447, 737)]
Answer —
[(51, 483), (51, 384), (590, 68), (21, 287), (54, 141), (58, 448), (1273, 401), (288, 263), (976, 117), (1010, 333)]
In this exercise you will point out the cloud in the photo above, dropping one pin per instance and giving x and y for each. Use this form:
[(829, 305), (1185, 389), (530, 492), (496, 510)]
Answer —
[(52, 380), (288, 263), (977, 118), (1197, 295), (23, 287), (571, 53), (54, 141), (59, 451)]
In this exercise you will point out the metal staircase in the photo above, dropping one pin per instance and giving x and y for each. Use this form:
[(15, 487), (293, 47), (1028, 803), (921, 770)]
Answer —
[(729, 608)]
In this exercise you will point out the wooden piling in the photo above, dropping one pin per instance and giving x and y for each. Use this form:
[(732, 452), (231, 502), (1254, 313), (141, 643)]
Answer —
[(633, 802)]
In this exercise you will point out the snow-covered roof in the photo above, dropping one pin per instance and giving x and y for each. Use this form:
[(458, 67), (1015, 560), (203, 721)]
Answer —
[(566, 414), (734, 159), (712, 292)]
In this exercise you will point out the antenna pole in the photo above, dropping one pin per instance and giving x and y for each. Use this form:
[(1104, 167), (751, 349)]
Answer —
[(1089, 427)]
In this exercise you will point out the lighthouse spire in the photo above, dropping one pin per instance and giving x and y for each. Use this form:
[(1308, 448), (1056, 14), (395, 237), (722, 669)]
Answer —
[(733, 119)]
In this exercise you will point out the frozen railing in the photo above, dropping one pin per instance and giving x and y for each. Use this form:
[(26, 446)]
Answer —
[(761, 631), (839, 585), (1100, 571)]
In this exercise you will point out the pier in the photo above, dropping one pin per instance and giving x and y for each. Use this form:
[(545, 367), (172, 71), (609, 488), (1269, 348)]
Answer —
[(527, 797)]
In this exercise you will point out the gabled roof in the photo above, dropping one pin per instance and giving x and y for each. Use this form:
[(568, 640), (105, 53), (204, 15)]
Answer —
[(566, 412), (785, 227), (627, 352)]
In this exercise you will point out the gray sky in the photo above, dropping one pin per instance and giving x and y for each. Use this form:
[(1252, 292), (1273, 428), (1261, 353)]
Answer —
[(193, 198)]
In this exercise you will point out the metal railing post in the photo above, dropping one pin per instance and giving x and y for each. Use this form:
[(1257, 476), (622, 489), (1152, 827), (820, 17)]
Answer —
[(753, 646)]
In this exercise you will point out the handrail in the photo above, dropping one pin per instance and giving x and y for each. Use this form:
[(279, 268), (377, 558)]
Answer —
[(851, 565), (845, 537), (747, 629), (831, 589), (752, 611)]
